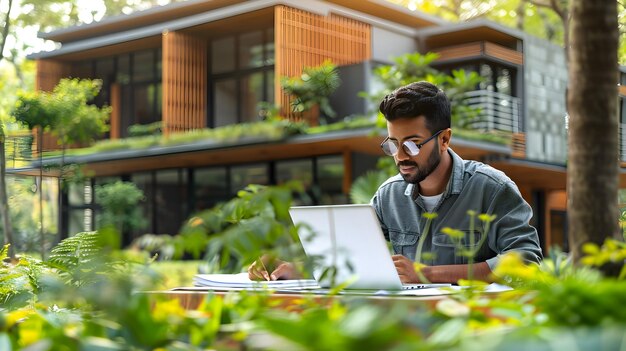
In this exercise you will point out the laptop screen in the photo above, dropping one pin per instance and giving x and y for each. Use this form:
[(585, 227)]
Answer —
[(348, 238)]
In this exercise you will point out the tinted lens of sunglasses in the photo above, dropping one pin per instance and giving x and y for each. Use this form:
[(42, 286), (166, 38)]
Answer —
[(389, 148), (410, 148)]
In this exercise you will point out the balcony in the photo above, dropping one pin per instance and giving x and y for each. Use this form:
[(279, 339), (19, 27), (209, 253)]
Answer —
[(497, 111)]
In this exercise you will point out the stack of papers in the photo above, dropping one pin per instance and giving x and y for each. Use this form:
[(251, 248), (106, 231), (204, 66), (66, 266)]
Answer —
[(241, 281)]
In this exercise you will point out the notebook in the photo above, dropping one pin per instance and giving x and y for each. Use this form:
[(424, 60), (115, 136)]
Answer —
[(349, 238)]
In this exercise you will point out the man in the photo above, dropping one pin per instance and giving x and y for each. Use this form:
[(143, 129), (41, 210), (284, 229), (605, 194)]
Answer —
[(434, 179)]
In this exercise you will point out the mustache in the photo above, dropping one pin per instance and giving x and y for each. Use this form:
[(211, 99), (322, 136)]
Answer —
[(407, 163)]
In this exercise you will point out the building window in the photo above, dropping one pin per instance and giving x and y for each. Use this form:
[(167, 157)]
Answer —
[(496, 77), (330, 170), (170, 200), (301, 170), (80, 207), (146, 183), (242, 76), (139, 76), (242, 176), (210, 187), (225, 102), (223, 55)]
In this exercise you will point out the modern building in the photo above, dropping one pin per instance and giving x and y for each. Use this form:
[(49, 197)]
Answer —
[(208, 63)]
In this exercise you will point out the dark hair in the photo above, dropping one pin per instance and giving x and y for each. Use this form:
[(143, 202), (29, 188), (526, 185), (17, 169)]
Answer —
[(415, 100)]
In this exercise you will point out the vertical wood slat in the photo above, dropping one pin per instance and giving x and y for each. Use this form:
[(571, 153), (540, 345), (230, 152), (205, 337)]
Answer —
[(49, 73), (304, 39), (184, 82), (116, 111)]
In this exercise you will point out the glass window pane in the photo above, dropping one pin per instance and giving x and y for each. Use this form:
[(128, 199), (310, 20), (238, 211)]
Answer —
[(123, 69), (211, 187), (269, 86), (487, 73), (76, 194), (83, 69), (143, 181), (159, 102), (269, 47), (503, 81), (251, 94), (143, 66), (300, 170), (159, 63), (330, 177), (105, 68), (144, 104), (225, 102), (80, 220), (251, 50), (223, 55), (242, 176), (170, 200)]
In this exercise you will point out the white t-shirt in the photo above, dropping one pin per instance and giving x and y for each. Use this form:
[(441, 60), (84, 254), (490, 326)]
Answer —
[(431, 201)]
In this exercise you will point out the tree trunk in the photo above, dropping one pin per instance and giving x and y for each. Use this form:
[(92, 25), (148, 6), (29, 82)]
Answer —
[(593, 166), (4, 203), (5, 29), (42, 237)]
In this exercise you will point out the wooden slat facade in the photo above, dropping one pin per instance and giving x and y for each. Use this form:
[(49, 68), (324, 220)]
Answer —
[(116, 111), (184, 82), (303, 39), (518, 145), (503, 53), (480, 49), (459, 51), (49, 73)]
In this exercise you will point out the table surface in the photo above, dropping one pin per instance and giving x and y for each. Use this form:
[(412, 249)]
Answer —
[(191, 298)]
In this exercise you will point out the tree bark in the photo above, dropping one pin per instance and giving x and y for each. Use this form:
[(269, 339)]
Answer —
[(5, 30), (593, 166)]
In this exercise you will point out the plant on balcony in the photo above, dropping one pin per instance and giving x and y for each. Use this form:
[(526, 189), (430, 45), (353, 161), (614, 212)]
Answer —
[(415, 67), (154, 128), (313, 88)]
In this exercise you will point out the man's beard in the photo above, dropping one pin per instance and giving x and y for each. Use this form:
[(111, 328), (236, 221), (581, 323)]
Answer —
[(422, 172)]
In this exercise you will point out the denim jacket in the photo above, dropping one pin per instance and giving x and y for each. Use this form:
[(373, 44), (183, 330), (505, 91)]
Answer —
[(472, 186)]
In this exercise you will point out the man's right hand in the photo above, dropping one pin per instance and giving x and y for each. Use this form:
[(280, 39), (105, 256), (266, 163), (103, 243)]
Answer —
[(258, 270)]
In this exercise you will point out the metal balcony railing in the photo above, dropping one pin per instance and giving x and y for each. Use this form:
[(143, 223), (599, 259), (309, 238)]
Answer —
[(497, 111), (18, 150)]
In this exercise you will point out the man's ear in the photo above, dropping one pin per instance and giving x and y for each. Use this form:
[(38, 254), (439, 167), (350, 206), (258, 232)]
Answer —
[(446, 135)]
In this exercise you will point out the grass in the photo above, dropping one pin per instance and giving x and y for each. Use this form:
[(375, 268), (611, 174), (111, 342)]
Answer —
[(270, 130)]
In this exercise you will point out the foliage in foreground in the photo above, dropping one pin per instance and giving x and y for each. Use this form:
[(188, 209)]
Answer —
[(87, 296)]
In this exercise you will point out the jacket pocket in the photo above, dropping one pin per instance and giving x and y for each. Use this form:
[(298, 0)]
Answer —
[(403, 243)]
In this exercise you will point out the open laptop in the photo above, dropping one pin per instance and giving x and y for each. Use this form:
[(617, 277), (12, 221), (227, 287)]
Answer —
[(349, 238)]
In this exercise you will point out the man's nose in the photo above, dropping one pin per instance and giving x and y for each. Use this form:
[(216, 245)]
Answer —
[(401, 155)]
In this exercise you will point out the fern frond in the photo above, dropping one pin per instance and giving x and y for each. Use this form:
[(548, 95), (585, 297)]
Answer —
[(75, 251)]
